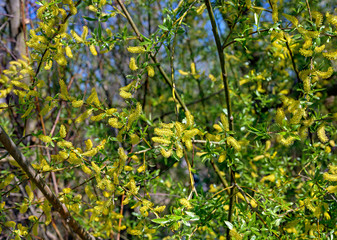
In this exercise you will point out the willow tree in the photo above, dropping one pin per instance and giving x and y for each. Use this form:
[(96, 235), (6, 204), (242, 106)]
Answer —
[(171, 120)]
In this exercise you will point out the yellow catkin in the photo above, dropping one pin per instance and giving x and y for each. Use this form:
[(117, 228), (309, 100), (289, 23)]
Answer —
[(319, 49), (321, 134), (268, 144), (330, 55), (125, 94), (224, 121), (68, 52), (150, 71), (161, 140), (235, 144), (137, 49), (318, 18), (189, 119), (326, 74), (193, 71), (234, 234), (297, 116), (30, 108), (306, 52), (63, 131), (330, 177), (76, 37), (270, 178), (134, 139), (111, 111), (77, 103), (211, 76), (84, 32), (292, 19), (222, 157), (93, 50), (113, 122), (88, 144), (275, 10), (185, 203), (90, 153), (166, 154), (132, 64), (332, 189), (163, 132), (45, 138), (280, 116), (189, 145)]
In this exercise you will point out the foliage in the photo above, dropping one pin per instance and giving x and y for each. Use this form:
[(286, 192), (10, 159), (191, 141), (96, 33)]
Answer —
[(173, 120)]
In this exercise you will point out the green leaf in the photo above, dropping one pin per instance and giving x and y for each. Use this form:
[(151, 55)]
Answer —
[(229, 225), (161, 220)]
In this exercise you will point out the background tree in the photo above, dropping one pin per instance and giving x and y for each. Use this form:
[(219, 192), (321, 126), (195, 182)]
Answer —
[(170, 119)]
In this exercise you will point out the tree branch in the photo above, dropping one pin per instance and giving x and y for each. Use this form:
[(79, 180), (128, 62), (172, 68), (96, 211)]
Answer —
[(42, 186)]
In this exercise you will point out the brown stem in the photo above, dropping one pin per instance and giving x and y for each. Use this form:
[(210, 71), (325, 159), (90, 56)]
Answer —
[(42, 186)]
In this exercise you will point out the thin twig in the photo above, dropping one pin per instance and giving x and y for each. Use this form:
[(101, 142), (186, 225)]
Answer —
[(154, 59)]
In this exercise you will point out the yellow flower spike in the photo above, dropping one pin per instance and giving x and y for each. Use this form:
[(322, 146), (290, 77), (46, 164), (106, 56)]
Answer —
[(217, 127), (141, 168), (93, 98), (159, 209), (182, 72), (125, 94), (166, 154), (63, 131), (189, 119), (234, 234), (268, 144), (150, 71), (319, 49), (77, 103), (160, 140), (330, 55), (253, 203), (193, 68), (76, 37), (211, 76), (85, 169), (321, 134), (222, 157), (185, 203), (292, 19), (84, 33), (68, 52), (88, 144), (163, 132), (306, 52), (30, 108), (270, 178), (224, 121), (137, 49), (92, 49), (132, 64), (45, 138), (332, 189), (330, 177), (134, 139), (232, 142)]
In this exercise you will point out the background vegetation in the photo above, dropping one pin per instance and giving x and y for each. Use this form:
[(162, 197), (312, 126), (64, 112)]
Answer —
[(168, 119)]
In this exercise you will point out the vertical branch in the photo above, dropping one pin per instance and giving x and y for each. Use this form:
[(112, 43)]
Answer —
[(228, 102)]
